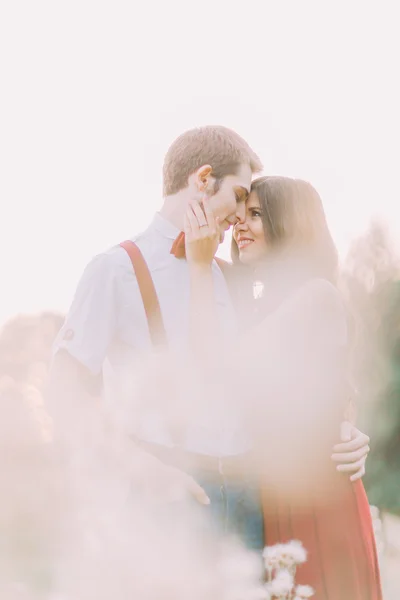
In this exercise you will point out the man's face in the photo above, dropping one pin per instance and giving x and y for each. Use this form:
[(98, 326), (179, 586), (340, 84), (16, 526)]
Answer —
[(230, 200)]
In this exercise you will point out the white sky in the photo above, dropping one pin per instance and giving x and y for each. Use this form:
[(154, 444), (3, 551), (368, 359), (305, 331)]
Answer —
[(93, 92)]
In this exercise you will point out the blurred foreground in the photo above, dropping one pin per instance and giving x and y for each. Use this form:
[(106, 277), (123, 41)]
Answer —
[(43, 545)]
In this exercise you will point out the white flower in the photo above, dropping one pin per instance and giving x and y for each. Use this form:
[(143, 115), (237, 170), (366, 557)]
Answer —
[(282, 584), (296, 552), (284, 555), (303, 592), (271, 555)]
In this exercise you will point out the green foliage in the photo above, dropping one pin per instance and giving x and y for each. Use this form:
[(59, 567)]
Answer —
[(370, 278)]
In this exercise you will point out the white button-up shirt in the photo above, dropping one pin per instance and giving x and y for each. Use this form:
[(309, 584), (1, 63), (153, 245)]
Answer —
[(106, 330)]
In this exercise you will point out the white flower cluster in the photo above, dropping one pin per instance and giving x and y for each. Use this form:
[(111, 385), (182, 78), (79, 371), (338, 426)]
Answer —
[(284, 556), (281, 562)]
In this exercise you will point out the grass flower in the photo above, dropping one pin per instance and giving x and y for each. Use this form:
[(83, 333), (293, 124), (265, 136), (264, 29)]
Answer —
[(281, 562), (282, 585), (303, 592)]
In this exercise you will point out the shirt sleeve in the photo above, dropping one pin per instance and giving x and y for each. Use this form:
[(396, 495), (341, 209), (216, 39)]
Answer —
[(92, 319)]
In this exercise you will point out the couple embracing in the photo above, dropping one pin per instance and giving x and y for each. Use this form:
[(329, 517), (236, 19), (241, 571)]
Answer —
[(268, 451)]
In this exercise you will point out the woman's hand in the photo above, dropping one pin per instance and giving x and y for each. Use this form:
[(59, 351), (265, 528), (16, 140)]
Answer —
[(202, 234)]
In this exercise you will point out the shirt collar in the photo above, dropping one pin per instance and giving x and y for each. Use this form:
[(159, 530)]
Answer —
[(166, 228)]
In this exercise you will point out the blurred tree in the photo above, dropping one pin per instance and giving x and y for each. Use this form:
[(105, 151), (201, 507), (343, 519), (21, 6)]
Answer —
[(370, 280), (30, 478), (25, 346)]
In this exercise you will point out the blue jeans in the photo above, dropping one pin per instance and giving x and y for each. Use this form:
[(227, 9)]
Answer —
[(235, 508)]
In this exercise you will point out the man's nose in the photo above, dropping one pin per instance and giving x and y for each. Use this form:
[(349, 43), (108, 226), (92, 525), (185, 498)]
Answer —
[(240, 212)]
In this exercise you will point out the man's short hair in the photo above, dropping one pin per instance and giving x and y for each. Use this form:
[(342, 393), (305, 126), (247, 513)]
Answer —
[(221, 148)]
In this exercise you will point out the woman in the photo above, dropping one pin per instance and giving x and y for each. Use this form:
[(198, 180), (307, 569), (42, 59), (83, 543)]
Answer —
[(293, 370)]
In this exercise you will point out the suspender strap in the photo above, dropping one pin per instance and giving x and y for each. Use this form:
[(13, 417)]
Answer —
[(149, 295)]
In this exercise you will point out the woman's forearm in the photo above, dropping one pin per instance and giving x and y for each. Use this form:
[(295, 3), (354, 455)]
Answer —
[(203, 319)]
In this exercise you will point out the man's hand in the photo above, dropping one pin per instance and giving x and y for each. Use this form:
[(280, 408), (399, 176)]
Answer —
[(352, 452), (163, 482), (179, 485)]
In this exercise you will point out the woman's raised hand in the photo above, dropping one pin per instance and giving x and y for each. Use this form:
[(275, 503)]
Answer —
[(202, 235)]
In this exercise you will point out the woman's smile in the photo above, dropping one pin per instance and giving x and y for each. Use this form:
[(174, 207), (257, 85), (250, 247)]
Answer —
[(243, 242)]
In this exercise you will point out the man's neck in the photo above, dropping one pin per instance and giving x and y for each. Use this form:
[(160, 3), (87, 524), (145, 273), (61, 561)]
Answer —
[(174, 209)]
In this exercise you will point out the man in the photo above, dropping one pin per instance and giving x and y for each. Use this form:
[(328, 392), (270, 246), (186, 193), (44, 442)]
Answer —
[(106, 332)]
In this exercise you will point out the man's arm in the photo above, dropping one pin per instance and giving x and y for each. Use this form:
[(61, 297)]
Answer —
[(351, 453), (79, 351), (72, 400), (86, 433)]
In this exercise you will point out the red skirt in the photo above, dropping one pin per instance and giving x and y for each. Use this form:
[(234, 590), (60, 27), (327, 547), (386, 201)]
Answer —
[(337, 533)]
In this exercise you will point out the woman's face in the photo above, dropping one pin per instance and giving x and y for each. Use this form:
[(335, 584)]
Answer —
[(249, 234)]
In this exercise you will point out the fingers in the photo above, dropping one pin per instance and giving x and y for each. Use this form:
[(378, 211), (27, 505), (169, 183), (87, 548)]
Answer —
[(209, 214), (352, 452), (197, 492), (203, 234), (193, 224), (352, 467), (350, 457), (180, 485), (360, 473), (356, 441), (206, 220), (356, 444), (357, 468), (199, 213)]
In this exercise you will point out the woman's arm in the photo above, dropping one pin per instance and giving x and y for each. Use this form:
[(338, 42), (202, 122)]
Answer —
[(202, 238)]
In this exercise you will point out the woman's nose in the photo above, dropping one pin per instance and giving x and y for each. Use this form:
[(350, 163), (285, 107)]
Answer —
[(241, 225)]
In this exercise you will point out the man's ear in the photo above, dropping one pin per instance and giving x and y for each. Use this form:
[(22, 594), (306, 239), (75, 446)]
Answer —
[(202, 177)]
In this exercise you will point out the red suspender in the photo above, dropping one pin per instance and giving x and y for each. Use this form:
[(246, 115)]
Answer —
[(148, 293)]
